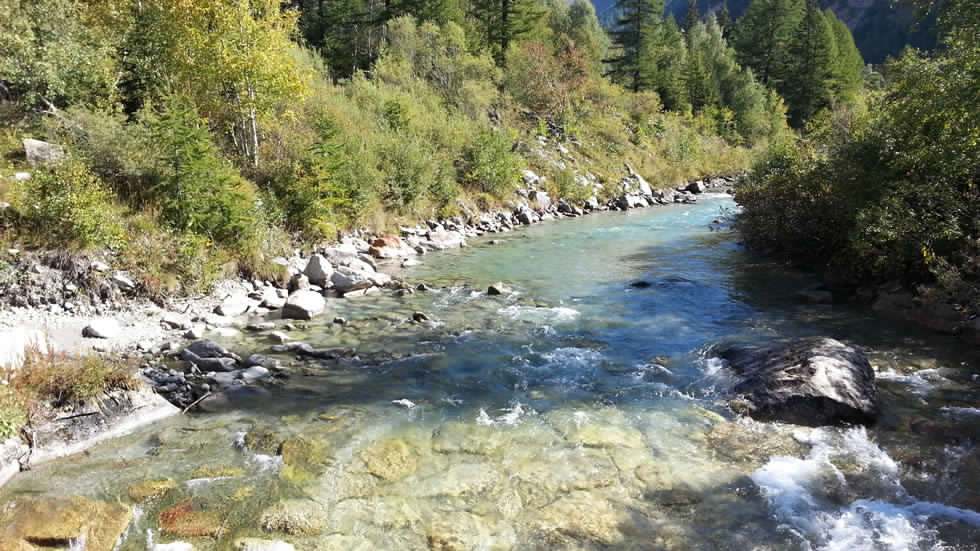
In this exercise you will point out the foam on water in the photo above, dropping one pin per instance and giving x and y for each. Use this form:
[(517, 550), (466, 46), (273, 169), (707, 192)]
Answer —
[(921, 382), (968, 413), (795, 489), (509, 416)]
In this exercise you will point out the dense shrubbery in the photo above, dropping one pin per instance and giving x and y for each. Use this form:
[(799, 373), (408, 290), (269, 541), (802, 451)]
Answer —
[(67, 205), (890, 193)]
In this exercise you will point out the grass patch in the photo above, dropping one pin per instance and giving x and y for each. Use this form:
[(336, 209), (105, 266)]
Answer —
[(51, 380)]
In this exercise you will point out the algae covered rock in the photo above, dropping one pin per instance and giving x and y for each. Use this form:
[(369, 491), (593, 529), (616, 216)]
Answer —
[(262, 440), (390, 460), (148, 490), (10, 544), (580, 517), (184, 520), (61, 520), (303, 459), (297, 517)]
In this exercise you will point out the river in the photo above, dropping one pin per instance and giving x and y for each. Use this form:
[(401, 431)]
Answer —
[(578, 412)]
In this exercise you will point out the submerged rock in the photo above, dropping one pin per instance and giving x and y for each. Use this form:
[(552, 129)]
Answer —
[(183, 520), (390, 459), (105, 328), (297, 517), (498, 288), (256, 544), (60, 521), (815, 381), (149, 490)]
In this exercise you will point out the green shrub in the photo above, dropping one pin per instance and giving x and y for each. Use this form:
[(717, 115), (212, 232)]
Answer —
[(198, 191), (489, 163), (67, 206), (12, 413)]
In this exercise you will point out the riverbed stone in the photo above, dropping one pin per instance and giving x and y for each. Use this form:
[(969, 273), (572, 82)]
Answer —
[(318, 269), (184, 520), (582, 517), (234, 305), (498, 288), (262, 440), (148, 490), (296, 517), (814, 381), (58, 521), (304, 305), (391, 459), (462, 531)]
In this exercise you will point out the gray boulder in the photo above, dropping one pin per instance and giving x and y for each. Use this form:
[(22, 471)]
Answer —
[(347, 279), (304, 305), (318, 270), (39, 152), (498, 288), (540, 200), (814, 381), (696, 186)]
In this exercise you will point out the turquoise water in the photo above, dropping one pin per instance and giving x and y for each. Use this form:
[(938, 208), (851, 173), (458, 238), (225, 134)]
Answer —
[(579, 412)]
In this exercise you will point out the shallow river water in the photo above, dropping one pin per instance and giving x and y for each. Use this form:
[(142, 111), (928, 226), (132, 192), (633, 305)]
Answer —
[(578, 412)]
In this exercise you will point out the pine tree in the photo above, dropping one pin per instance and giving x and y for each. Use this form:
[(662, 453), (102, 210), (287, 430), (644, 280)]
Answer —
[(502, 22), (638, 21), (763, 36), (725, 21), (693, 15), (848, 65), (809, 87)]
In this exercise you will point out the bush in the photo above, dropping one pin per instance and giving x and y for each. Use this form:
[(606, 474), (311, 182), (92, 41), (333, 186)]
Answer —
[(489, 163), (67, 206), (198, 191), (12, 413)]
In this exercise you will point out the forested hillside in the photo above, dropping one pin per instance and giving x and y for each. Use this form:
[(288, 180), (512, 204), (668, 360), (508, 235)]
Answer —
[(881, 28), (203, 137)]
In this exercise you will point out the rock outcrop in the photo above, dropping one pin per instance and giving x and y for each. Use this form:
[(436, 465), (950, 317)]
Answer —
[(814, 381)]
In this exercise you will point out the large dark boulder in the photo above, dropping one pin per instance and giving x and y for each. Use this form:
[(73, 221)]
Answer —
[(814, 381)]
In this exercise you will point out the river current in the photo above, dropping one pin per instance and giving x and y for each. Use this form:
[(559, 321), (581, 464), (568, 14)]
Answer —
[(578, 412)]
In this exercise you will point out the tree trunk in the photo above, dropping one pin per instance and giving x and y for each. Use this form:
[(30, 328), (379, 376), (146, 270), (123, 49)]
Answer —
[(254, 128)]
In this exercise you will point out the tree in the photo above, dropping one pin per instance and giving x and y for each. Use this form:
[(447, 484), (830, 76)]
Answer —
[(763, 36), (847, 64), (809, 86), (230, 56), (693, 15), (586, 31), (725, 21), (502, 22), (639, 21), (59, 52)]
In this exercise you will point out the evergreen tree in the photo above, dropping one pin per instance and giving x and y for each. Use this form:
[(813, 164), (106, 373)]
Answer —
[(693, 15), (586, 31), (847, 64), (662, 64), (724, 18), (809, 87), (638, 21), (763, 36), (502, 22)]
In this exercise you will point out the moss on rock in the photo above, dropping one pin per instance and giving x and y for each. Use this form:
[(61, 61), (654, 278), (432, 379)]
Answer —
[(217, 471), (60, 520), (390, 460)]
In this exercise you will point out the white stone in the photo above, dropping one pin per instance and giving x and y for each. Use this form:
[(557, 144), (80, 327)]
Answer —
[(318, 269)]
